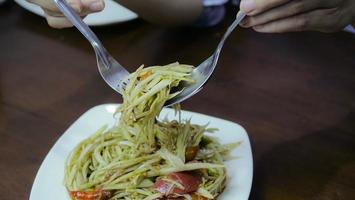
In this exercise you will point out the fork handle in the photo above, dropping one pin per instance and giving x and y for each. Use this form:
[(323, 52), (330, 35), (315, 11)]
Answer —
[(76, 20), (240, 16)]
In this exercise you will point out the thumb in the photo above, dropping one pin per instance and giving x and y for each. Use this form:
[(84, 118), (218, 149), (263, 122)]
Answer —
[(91, 6), (247, 6)]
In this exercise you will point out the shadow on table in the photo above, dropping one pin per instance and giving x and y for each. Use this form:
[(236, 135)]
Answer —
[(318, 166)]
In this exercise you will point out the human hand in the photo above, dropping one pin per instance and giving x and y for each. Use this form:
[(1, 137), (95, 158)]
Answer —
[(56, 19), (276, 16)]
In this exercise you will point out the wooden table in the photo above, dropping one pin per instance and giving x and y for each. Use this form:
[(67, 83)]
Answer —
[(294, 94)]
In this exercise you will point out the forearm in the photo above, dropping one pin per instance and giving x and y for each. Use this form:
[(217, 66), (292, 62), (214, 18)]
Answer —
[(166, 12)]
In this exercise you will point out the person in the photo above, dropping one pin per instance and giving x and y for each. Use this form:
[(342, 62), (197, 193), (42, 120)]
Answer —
[(269, 16), (277, 16), (162, 12)]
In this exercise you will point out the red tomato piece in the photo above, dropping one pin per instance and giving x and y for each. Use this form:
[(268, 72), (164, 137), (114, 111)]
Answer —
[(90, 195), (189, 180)]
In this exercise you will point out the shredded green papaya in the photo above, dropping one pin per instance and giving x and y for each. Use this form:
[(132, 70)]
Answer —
[(127, 159)]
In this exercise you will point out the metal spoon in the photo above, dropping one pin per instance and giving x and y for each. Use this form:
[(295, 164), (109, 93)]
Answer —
[(111, 71)]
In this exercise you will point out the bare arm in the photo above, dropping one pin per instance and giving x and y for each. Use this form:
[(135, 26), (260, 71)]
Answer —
[(166, 12)]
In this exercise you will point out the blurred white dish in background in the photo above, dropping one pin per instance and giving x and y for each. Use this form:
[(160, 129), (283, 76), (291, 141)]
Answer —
[(113, 13)]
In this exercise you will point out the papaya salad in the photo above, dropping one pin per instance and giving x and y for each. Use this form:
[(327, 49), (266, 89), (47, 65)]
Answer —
[(143, 158)]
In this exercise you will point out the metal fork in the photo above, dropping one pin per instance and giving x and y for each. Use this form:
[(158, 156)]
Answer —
[(203, 72), (111, 71), (116, 75)]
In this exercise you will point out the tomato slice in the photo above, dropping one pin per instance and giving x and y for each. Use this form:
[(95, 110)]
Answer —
[(189, 180), (90, 195)]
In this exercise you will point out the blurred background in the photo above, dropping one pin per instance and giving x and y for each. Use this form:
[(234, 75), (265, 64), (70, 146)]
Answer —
[(293, 93)]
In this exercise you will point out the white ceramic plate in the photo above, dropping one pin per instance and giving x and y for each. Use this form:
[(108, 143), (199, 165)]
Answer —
[(49, 178), (113, 13)]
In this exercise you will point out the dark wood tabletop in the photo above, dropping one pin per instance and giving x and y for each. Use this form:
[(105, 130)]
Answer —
[(293, 93)]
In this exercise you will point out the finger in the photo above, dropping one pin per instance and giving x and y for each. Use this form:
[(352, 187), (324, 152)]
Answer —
[(59, 13), (44, 4), (286, 10), (83, 7), (317, 20), (95, 6), (254, 7), (49, 5), (91, 6), (58, 22)]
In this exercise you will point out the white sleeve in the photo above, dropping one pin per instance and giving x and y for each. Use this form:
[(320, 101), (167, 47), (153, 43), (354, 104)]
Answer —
[(213, 12), (214, 2), (350, 29)]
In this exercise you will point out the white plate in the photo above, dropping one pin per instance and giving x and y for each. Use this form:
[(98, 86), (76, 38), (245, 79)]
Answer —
[(113, 13), (49, 178)]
